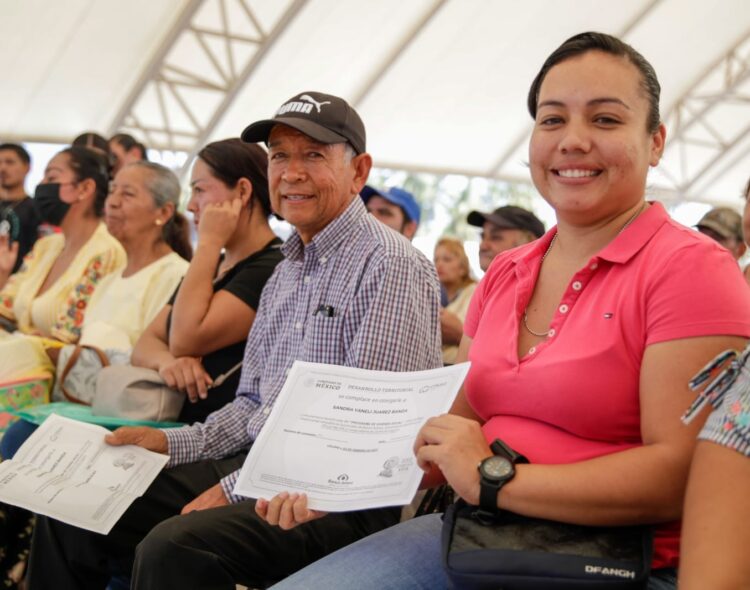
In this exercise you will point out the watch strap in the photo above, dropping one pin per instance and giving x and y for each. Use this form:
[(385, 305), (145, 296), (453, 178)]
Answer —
[(488, 496), (498, 447)]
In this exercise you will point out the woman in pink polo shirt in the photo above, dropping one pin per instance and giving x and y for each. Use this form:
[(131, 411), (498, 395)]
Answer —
[(581, 343)]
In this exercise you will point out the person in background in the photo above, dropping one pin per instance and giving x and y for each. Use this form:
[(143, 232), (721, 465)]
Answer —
[(395, 207), (505, 228), (93, 141), (455, 278), (746, 226), (49, 296), (201, 332), (725, 226), (125, 149), (18, 216), (141, 212)]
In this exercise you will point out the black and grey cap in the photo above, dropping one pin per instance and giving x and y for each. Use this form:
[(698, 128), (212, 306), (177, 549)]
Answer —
[(509, 217), (324, 117)]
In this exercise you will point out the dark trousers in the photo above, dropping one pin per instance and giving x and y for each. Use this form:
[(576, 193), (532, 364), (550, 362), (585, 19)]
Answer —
[(215, 548)]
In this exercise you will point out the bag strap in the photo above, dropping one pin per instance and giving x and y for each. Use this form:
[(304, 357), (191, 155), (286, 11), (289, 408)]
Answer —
[(224, 376), (69, 367)]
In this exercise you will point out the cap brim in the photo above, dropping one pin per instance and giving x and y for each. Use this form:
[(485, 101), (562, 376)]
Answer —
[(478, 219), (368, 191), (260, 130), (716, 227)]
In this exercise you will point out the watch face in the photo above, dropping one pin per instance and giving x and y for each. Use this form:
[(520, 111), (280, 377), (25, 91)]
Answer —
[(496, 467)]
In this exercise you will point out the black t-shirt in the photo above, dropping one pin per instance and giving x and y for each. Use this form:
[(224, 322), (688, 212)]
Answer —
[(20, 220), (245, 280)]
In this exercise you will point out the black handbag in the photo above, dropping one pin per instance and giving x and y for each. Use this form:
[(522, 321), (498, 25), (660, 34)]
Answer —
[(514, 552)]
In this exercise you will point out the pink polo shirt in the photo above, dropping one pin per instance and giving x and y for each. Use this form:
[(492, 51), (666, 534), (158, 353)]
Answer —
[(575, 395)]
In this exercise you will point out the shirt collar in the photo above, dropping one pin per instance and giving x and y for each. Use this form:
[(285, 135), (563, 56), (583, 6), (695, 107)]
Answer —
[(628, 243), (621, 249), (326, 241)]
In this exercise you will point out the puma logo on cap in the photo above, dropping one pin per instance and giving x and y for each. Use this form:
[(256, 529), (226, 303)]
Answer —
[(296, 106), (317, 104)]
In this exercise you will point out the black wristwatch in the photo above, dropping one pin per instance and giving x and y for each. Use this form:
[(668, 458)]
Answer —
[(494, 473)]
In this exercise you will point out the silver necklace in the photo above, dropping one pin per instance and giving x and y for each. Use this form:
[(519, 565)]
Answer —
[(551, 243)]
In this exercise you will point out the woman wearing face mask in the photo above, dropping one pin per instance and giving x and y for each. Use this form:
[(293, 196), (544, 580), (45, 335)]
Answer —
[(44, 304), (201, 333), (140, 211), (49, 296)]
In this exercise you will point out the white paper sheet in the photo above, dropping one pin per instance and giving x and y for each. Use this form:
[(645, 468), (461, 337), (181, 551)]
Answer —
[(344, 436), (66, 471)]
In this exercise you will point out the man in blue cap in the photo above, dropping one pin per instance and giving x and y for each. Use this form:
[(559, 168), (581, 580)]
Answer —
[(395, 207)]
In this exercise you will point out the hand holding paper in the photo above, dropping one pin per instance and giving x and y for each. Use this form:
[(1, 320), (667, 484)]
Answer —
[(344, 436), (65, 470)]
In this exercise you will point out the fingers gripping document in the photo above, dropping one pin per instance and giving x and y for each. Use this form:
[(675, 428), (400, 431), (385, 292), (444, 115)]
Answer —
[(66, 471), (344, 436)]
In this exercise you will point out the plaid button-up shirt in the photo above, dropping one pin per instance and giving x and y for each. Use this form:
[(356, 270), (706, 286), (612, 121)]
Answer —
[(381, 300)]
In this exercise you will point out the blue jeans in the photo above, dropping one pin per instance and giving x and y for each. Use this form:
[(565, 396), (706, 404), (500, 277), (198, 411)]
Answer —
[(14, 437), (404, 556)]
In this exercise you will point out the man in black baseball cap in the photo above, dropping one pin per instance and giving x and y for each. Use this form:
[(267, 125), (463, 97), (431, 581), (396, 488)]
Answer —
[(347, 293), (503, 229), (317, 159)]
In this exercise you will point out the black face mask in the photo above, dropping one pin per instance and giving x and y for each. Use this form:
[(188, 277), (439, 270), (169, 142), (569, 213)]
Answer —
[(48, 204)]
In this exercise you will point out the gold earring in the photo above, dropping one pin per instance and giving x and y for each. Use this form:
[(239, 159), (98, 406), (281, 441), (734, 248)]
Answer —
[(159, 222)]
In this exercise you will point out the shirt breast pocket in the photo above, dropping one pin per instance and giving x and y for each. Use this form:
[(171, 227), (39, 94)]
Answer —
[(324, 340)]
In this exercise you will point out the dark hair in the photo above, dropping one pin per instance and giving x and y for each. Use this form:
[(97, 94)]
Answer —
[(87, 163), (232, 159), (91, 140), (747, 190), (176, 233), (164, 187), (20, 151), (128, 142), (585, 42)]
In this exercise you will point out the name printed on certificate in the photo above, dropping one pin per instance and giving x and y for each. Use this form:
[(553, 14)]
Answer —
[(344, 436), (66, 471)]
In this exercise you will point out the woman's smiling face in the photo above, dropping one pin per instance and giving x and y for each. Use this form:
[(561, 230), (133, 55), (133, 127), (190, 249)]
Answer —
[(590, 150)]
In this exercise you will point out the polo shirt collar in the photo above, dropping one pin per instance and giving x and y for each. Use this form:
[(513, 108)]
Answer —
[(327, 241), (636, 235), (619, 250)]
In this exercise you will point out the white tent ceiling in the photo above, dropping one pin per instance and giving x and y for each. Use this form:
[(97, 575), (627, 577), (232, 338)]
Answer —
[(440, 84)]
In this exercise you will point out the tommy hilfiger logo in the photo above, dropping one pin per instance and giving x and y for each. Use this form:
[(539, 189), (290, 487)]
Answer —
[(302, 107)]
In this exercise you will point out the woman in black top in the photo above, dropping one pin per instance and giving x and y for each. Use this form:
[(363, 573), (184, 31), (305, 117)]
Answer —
[(200, 334)]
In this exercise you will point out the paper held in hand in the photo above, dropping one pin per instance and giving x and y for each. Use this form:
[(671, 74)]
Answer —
[(66, 471), (344, 436)]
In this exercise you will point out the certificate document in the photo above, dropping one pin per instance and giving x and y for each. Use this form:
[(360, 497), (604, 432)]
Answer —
[(66, 471), (344, 436)]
